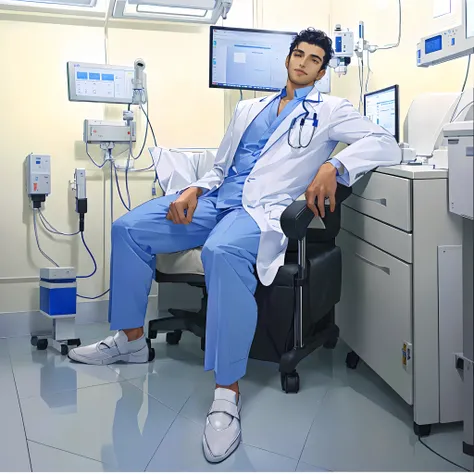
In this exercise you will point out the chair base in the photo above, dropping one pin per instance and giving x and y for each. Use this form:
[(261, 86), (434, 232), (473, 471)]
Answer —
[(195, 322), (290, 381), (180, 320)]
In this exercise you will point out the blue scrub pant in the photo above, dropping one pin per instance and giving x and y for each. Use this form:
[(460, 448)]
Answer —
[(230, 240)]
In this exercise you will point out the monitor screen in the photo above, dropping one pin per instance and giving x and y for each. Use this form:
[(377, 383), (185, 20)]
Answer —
[(251, 59), (100, 83), (469, 15), (382, 107)]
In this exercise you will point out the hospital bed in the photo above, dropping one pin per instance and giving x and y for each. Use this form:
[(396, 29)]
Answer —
[(296, 313)]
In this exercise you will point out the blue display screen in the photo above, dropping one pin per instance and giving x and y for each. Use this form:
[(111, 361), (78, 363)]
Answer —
[(434, 44), (94, 76), (82, 75), (108, 77)]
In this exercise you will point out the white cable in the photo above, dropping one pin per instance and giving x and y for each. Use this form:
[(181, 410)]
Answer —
[(51, 228), (35, 227), (397, 44), (368, 74), (462, 90)]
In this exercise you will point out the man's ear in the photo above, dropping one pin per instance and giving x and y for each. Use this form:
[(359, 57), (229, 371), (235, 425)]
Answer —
[(287, 62), (321, 74)]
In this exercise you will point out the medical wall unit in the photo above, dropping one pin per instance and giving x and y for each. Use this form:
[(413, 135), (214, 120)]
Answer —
[(249, 59), (38, 178), (383, 108), (449, 44), (100, 83)]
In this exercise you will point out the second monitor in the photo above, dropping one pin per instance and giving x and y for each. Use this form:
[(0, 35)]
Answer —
[(383, 108)]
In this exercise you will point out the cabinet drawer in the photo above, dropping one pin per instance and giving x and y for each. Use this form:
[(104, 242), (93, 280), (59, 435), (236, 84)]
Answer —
[(375, 311), (385, 198), (394, 241)]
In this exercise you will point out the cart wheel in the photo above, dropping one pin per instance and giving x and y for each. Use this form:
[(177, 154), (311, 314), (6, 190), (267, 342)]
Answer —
[(352, 360), (34, 341), (290, 383), (173, 338), (64, 350), (42, 344), (422, 430)]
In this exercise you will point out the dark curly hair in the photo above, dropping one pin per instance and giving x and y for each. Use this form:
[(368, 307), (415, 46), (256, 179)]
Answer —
[(316, 38)]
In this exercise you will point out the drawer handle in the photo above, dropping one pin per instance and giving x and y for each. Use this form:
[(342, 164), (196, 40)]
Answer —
[(381, 201), (379, 267)]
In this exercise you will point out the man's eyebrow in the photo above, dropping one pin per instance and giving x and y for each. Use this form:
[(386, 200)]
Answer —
[(315, 56)]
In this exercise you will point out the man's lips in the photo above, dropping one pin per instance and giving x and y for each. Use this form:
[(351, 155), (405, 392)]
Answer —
[(300, 71)]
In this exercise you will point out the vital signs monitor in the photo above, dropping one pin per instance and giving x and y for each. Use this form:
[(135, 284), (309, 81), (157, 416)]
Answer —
[(100, 83)]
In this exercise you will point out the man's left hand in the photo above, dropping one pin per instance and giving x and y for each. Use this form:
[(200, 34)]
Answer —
[(324, 186)]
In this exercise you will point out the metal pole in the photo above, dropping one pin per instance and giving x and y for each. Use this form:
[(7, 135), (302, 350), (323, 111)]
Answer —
[(298, 322)]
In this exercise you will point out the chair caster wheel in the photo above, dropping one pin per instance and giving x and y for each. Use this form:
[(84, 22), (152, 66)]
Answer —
[(173, 338), (34, 341), (352, 360), (152, 334), (422, 430), (331, 344), (203, 344), (64, 350), (42, 344), (290, 383)]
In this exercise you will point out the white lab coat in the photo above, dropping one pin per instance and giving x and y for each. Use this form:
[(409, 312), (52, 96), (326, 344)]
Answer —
[(283, 174)]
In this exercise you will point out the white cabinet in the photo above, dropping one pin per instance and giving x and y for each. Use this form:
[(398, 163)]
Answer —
[(377, 292), (400, 294)]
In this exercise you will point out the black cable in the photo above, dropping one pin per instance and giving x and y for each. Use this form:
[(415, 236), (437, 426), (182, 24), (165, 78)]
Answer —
[(92, 297), (441, 456)]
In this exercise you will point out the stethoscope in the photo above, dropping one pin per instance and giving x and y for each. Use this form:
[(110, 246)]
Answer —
[(302, 120)]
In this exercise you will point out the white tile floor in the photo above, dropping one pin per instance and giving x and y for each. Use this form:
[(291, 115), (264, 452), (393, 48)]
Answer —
[(60, 416)]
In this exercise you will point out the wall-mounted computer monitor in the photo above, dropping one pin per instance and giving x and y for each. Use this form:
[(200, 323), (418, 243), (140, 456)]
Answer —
[(252, 60), (383, 108)]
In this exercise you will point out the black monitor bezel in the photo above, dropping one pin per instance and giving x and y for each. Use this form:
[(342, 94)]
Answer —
[(240, 30), (395, 87)]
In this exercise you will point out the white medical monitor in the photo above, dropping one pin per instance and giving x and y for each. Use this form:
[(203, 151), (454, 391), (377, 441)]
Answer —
[(382, 107), (100, 83), (251, 60)]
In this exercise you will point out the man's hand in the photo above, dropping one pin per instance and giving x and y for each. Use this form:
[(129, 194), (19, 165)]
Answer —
[(324, 186), (182, 210)]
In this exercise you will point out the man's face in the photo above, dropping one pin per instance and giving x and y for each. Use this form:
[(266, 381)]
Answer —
[(304, 65)]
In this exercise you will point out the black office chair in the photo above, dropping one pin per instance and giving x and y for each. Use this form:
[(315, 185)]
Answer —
[(296, 313)]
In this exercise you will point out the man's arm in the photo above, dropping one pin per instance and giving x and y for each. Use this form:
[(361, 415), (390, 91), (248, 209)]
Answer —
[(370, 145)]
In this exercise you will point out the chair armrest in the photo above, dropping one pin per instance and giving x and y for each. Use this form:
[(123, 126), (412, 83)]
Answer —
[(297, 217)]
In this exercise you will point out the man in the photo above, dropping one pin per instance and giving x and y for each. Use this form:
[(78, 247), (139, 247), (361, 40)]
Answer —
[(263, 164)]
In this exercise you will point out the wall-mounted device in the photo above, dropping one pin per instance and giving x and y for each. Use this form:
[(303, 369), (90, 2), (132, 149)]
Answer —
[(449, 44), (100, 83), (38, 177), (100, 131)]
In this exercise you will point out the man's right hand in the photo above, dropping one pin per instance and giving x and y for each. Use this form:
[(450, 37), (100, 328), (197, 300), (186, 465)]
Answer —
[(182, 210)]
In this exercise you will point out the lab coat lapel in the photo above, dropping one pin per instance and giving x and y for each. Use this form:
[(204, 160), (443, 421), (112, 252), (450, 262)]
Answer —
[(247, 116), (284, 127)]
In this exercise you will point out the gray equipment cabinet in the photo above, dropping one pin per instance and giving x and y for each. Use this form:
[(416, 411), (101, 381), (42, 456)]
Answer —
[(401, 304)]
